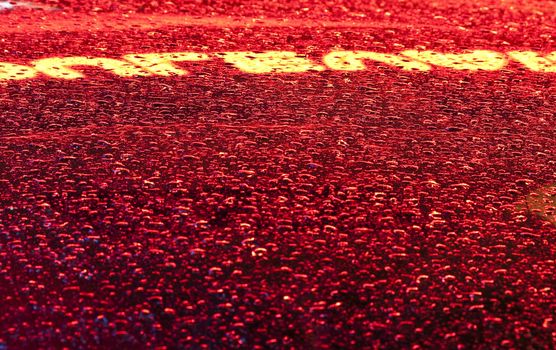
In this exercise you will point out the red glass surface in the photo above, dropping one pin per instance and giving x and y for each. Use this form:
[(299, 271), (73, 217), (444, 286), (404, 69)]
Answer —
[(330, 209)]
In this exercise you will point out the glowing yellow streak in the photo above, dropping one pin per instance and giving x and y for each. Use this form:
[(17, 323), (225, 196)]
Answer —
[(534, 61), (59, 67), (162, 63), (474, 60), (12, 71), (270, 62), (354, 60)]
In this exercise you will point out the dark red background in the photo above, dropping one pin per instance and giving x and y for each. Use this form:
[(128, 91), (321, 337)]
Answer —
[(379, 208)]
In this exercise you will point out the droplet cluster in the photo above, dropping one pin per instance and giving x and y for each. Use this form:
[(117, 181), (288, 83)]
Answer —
[(328, 210)]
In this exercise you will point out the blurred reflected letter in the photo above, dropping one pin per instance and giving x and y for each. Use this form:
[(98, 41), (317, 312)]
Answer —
[(354, 60), (474, 60), (534, 61), (270, 62), (11, 71), (162, 63), (60, 67)]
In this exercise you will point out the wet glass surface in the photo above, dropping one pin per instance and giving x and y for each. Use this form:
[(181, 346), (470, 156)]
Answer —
[(284, 175)]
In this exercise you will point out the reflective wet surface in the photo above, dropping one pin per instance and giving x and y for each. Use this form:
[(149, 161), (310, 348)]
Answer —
[(251, 203)]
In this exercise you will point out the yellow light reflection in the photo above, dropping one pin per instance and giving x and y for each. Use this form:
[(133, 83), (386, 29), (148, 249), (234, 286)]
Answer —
[(354, 60), (534, 61), (162, 63), (265, 62), (11, 71), (60, 67), (542, 202), (270, 62), (474, 60)]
